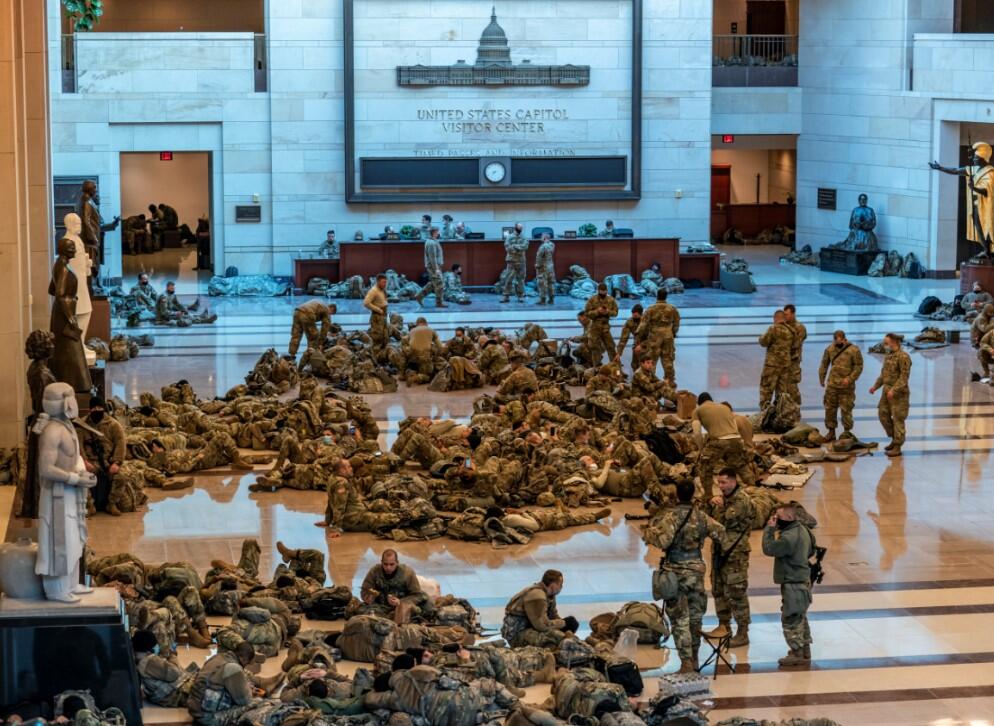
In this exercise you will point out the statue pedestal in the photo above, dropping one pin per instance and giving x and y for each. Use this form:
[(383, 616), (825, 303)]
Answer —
[(49, 647), (969, 274), (848, 262)]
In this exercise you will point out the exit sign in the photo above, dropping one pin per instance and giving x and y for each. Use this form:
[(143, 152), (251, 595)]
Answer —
[(165, 156), (728, 139)]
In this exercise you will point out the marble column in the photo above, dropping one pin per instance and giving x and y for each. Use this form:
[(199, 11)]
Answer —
[(25, 184)]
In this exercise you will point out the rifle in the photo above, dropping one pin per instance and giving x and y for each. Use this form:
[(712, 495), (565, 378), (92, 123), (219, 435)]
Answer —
[(981, 239)]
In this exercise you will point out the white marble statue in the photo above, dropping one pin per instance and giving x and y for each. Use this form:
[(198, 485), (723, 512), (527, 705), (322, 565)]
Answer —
[(81, 265), (64, 481)]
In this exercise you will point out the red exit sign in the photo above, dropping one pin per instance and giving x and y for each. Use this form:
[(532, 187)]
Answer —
[(168, 155), (728, 139)]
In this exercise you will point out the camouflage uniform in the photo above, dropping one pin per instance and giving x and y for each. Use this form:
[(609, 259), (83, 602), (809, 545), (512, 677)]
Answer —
[(793, 383), (169, 309), (683, 557), (462, 347), (305, 320), (545, 272), (628, 331), (532, 618), (646, 383), (846, 365), (348, 513), (982, 324), (986, 351), (657, 333), (723, 447), (221, 693), (452, 289), (403, 585), (792, 547), (777, 371), (305, 564), (894, 377), (599, 336), (516, 248), (379, 330), (163, 682), (144, 297), (730, 570), (518, 382), (492, 362), (433, 266)]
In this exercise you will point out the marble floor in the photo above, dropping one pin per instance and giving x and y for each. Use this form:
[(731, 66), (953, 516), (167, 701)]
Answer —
[(902, 622)]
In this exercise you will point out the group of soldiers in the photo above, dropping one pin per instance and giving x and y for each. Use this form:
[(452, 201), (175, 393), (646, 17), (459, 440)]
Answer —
[(840, 368), (144, 304)]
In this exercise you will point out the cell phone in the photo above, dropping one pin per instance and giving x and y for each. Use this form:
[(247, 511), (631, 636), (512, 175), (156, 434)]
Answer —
[(351, 429)]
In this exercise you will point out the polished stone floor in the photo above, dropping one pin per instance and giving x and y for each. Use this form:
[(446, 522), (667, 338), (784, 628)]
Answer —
[(901, 624)]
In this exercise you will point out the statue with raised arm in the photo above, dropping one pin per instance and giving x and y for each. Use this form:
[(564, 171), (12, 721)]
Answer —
[(93, 225), (862, 222), (979, 197), (68, 360), (64, 481)]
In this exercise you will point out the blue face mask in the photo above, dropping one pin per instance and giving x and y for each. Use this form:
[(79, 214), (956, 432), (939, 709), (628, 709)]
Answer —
[(155, 650), (326, 440)]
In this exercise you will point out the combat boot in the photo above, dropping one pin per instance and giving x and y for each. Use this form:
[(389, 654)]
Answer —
[(686, 667), (830, 436), (270, 684), (724, 627), (807, 651), (285, 552), (196, 639), (794, 659), (113, 511), (240, 464), (174, 484), (548, 672), (293, 653), (895, 450), (505, 299), (740, 638), (889, 446)]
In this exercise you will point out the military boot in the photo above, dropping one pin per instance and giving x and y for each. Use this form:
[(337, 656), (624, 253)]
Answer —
[(505, 299), (196, 639), (830, 436), (292, 654), (113, 511), (724, 627), (270, 684), (285, 552), (171, 485), (740, 638), (807, 651), (686, 667), (238, 463), (894, 450), (889, 446), (794, 659), (548, 672)]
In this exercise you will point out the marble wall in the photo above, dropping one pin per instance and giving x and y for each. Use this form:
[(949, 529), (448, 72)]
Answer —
[(194, 92)]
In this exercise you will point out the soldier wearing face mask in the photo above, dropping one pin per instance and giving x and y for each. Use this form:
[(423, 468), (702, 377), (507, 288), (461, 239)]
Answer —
[(841, 366), (791, 545), (104, 449)]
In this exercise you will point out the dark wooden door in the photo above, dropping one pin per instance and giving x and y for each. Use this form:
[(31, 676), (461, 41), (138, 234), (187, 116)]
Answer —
[(766, 17), (721, 194), (974, 16)]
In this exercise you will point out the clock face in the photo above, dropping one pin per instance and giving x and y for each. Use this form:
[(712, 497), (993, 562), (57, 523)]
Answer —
[(494, 172)]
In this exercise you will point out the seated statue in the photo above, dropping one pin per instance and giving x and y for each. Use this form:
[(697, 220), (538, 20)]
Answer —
[(861, 224)]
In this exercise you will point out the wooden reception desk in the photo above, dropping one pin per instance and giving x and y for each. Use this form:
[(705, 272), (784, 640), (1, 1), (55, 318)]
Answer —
[(483, 260)]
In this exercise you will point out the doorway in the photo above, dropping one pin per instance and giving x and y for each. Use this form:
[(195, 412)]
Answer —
[(173, 192), (766, 17)]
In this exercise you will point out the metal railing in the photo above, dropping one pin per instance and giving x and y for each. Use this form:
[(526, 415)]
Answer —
[(68, 63), (260, 63), (755, 50)]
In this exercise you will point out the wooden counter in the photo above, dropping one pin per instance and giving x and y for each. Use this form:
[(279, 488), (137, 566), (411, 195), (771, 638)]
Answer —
[(305, 269), (483, 260)]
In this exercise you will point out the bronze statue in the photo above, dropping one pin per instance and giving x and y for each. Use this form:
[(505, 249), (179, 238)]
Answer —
[(68, 360), (862, 222), (39, 348), (979, 197), (94, 227)]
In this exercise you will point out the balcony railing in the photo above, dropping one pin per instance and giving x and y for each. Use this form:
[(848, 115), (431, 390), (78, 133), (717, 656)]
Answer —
[(755, 60), (68, 63)]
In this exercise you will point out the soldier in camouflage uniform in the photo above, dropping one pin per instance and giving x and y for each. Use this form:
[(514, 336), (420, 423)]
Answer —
[(655, 336), (516, 249), (600, 308), (532, 618), (982, 324), (305, 321), (223, 690), (346, 510), (105, 451), (221, 450), (144, 297), (493, 361), (680, 533), (376, 303), (452, 286), (779, 343), (894, 402), (304, 563), (730, 566), (545, 270), (460, 345), (433, 267), (724, 446), (842, 364), (985, 352), (646, 383), (163, 682), (800, 334), (628, 331), (391, 586), (168, 309), (792, 544), (520, 381)]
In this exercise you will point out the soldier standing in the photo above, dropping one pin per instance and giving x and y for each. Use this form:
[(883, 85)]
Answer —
[(800, 334), (516, 249), (656, 334), (305, 320), (724, 446), (779, 343), (532, 618), (376, 303), (680, 533), (600, 308), (892, 409), (792, 544), (433, 266), (842, 363), (730, 568), (545, 270), (628, 331)]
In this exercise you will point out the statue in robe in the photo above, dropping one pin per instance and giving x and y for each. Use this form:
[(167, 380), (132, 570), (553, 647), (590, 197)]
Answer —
[(862, 222), (979, 197), (64, 481), (69, 360), (39, 348)]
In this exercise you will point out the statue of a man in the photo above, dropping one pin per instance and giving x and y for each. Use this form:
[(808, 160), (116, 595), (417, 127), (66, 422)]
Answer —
[(81, 266), (64, 481), (39, 348), (979, 196), (862, 222), (94, 227), (69, 360)]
